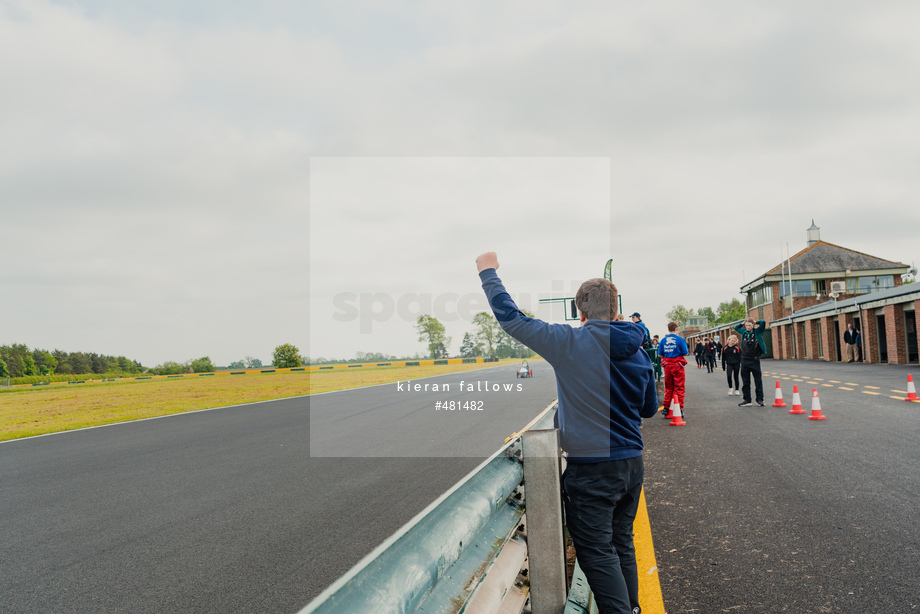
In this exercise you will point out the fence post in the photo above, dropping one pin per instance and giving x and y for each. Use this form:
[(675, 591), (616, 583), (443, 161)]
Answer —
[(545, 543)]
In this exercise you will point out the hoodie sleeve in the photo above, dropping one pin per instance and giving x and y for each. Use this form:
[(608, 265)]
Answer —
[(650, 407), (551, 341)]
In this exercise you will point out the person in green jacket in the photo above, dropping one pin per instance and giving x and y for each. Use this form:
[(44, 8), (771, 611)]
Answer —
[(752, 346)]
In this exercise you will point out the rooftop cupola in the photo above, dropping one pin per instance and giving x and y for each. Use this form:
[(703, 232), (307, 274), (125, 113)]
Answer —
[(814, 234)]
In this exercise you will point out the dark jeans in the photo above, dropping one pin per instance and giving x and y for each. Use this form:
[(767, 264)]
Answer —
[(601, 500), (751, 366), (733, 370)]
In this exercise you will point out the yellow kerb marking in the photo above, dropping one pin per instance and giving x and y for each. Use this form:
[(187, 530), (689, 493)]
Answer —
[(844, 388), (851, 384), (650, 598), (901, 391), (874, 387), (833, 381), (868, 392)]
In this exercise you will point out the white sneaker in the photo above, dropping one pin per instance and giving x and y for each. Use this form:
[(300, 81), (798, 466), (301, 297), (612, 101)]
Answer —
[(737, 392), (730, 393)]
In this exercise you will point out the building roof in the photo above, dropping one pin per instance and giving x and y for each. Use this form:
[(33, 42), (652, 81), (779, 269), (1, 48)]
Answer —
[(823, 257)]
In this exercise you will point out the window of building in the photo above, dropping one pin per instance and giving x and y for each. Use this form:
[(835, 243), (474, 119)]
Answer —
[(761, 296), (875, 283), (820, 286)]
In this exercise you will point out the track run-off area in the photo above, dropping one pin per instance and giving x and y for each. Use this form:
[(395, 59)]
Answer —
[(258, 507)]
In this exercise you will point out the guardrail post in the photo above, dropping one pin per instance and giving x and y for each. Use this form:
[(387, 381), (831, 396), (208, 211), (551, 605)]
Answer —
[(545, 543)]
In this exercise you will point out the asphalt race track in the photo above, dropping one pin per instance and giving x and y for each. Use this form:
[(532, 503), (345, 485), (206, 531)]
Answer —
[(257, 508), (226, 510), (755, 510)]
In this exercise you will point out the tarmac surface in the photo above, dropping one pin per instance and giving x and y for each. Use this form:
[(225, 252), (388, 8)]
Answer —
[(226, 510), (756, 510)]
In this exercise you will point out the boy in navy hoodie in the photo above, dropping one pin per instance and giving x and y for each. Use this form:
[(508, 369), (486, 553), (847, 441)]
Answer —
[(605, 383)]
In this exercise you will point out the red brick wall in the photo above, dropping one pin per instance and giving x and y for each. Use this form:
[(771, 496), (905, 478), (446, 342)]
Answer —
[(894, 335), (917, 319), (869, 334), (827, 338), (797, 328), (811, 340), (781, 343)]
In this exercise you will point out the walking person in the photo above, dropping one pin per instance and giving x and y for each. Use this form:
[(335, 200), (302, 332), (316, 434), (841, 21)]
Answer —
[(710, 356), (731, 358), (672, 350), (698, 354), (605, 385), (752, 346)]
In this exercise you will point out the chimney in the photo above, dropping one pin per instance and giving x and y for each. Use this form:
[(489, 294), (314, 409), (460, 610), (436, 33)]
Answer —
[(814, 234)]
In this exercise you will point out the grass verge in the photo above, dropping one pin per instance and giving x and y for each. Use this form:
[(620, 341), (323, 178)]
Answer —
[(28, 412)]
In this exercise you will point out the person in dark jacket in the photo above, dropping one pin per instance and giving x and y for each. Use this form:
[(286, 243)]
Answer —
[(698, 354), (752, 346), (849, 339), (731, 358), (605, 384), (710, 356)]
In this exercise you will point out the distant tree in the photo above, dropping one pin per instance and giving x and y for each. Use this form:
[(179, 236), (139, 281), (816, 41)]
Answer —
[(467, 347), (286, 355), (252, 363), (63, 362), (202, 365), (707, 313), (170, 367), (679, 314), (79, 363), (730, 311), (487, 332), (4, 372), (237, 365), (45, 362), (28, 365), (432, 331)]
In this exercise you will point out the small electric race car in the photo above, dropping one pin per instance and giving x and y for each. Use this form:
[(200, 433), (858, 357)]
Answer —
[(524, 371)]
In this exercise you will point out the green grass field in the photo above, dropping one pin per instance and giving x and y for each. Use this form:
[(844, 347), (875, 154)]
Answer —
[(25, 412)]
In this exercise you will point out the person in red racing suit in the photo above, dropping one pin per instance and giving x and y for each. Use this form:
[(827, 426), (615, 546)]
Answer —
[(672, 350)]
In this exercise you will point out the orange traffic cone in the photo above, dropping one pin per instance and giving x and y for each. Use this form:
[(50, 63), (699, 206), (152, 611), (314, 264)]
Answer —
[(796, 401), (676, 418), (670, 412), (779, 402), (816, 407), (911, 391)]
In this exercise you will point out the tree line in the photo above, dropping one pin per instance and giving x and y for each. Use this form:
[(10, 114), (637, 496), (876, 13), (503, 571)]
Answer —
[(17, 360)]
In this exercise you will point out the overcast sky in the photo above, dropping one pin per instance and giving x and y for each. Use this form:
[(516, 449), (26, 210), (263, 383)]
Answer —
[(186, 179)]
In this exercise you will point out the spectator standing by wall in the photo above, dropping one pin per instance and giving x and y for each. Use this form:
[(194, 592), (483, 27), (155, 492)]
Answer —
[(849, 339)]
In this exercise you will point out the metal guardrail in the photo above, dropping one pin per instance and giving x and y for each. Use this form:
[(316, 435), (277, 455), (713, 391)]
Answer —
[(473, 551), (461, 554)]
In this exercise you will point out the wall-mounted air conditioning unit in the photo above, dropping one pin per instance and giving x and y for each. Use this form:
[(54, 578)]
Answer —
[(838, 287)]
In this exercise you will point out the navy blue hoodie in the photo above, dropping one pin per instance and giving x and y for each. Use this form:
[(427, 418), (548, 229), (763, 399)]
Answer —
[(604, 379)]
